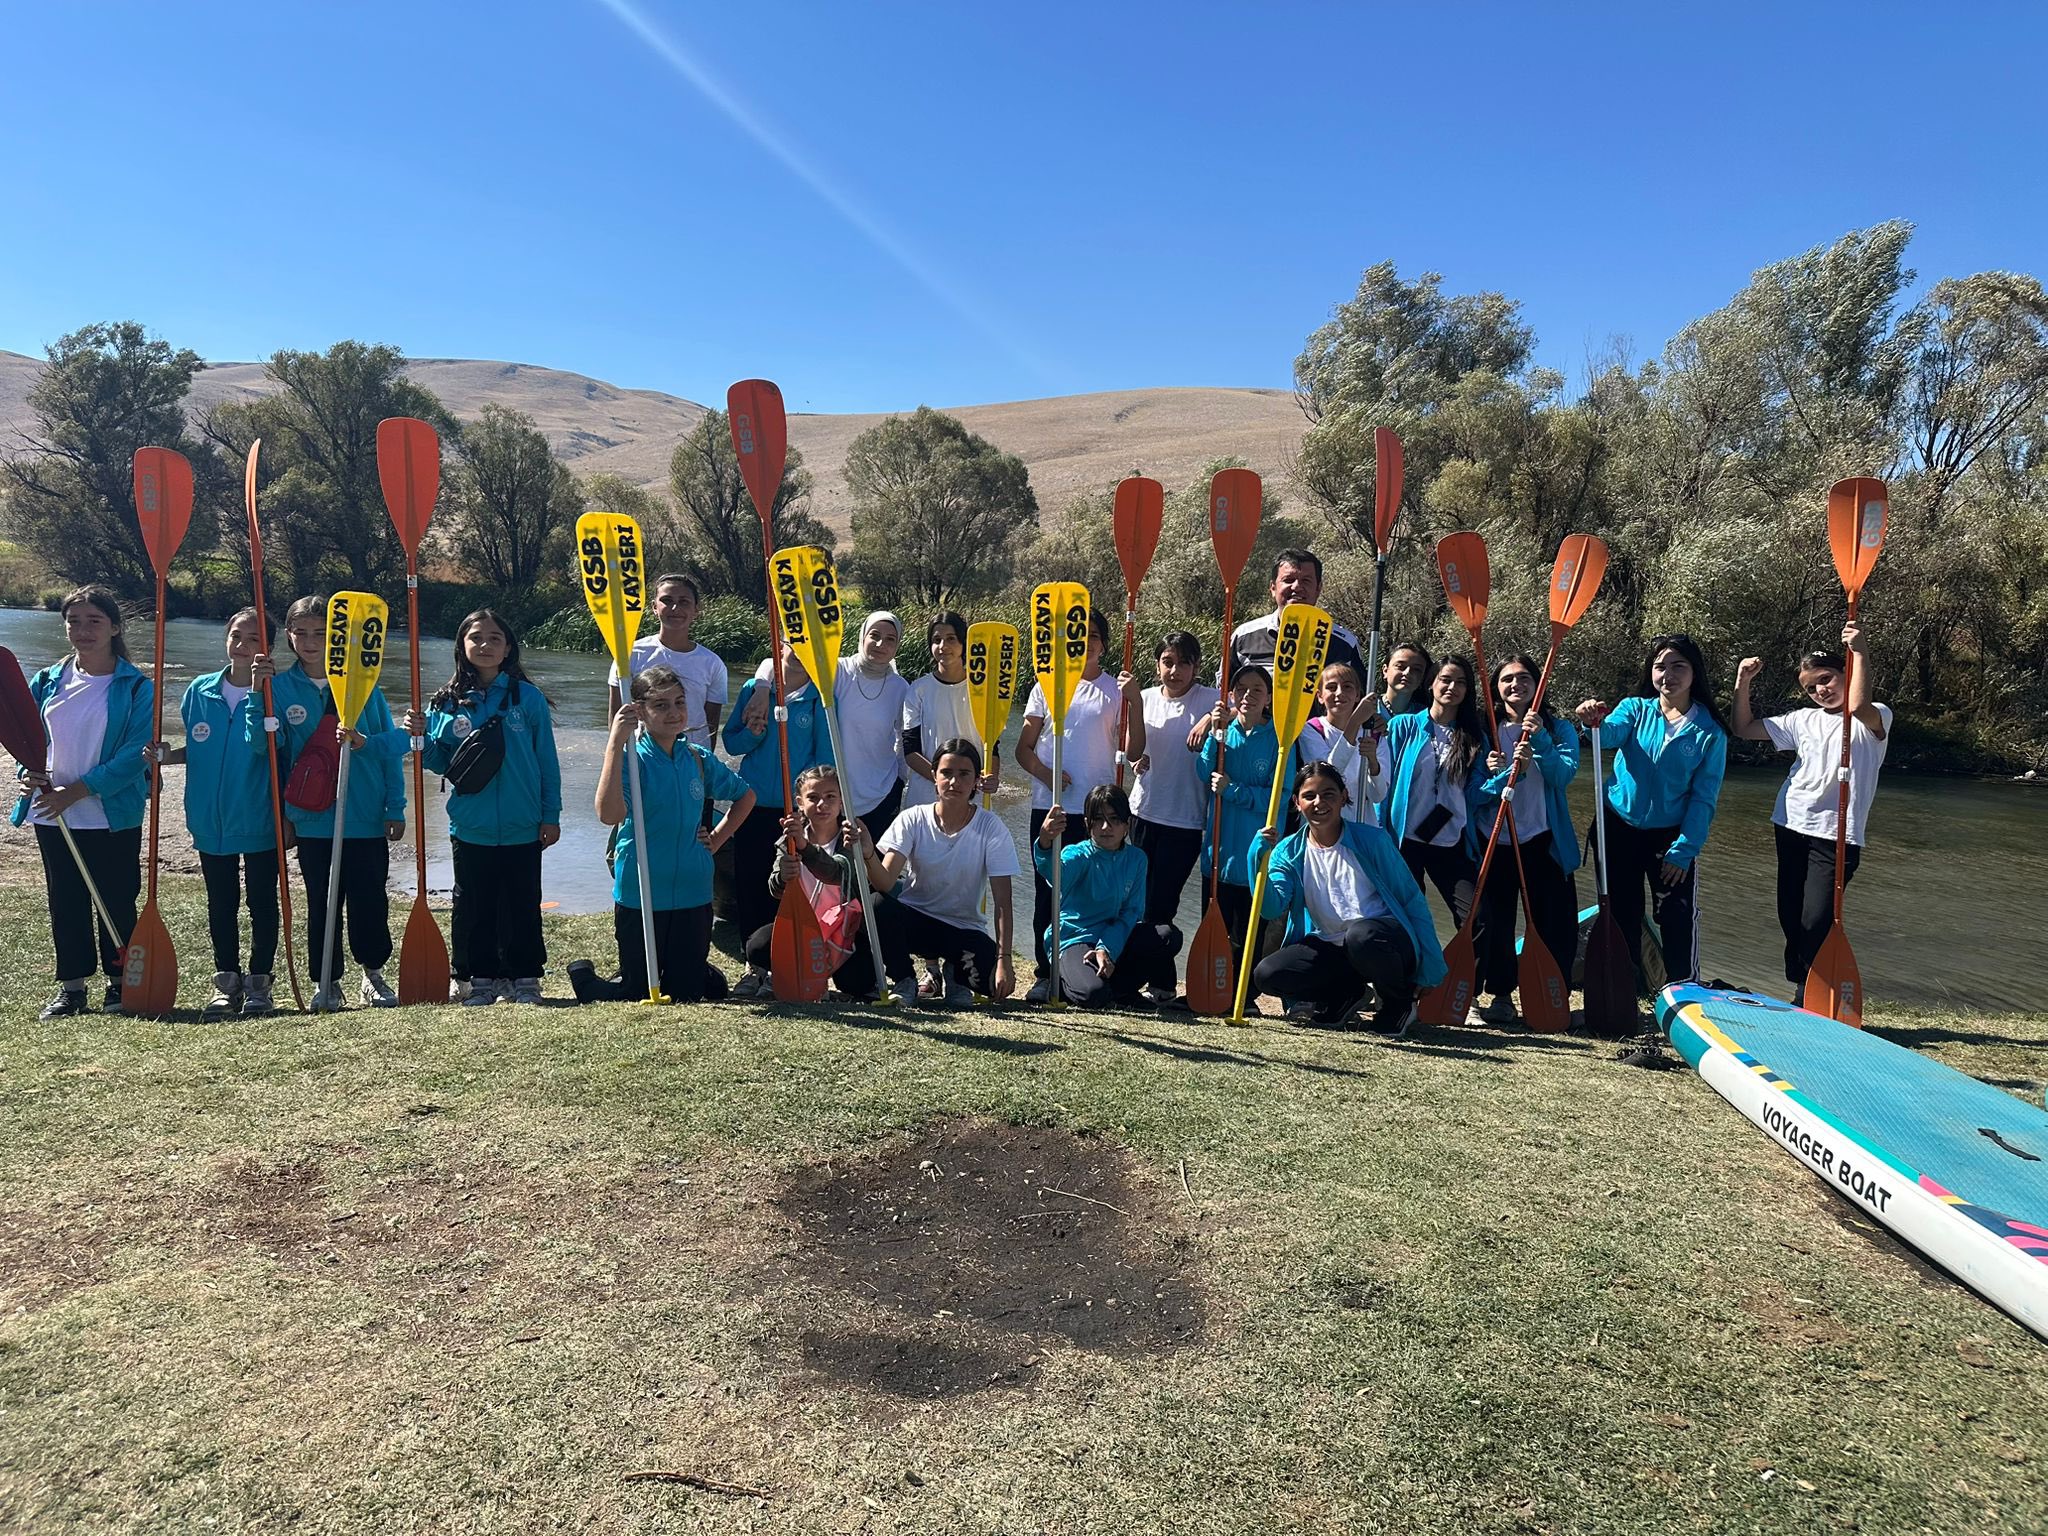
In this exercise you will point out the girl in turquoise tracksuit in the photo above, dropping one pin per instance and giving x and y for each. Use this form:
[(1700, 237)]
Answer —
[(750, 736), (1106, 950), (228, 813), (1550, 850), (1239, 761), (1661, 798), (1356, 917), (1431, 760), (499, 830), (374, 815), (678, 779), (96, 708)]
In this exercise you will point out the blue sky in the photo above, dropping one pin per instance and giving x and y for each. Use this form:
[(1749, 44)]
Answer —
[(882, 204)]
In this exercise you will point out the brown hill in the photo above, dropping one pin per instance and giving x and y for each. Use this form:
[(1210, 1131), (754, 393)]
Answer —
[(1070, 443)]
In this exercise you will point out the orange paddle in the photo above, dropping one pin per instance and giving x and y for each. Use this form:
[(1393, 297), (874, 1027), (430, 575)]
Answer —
[(1386, 492), (409, 469), (270, 723), (1857, 512), (1139, 511), (1574, 579), (1234, 496), (1468, 583), (163, 504), (797, 968)]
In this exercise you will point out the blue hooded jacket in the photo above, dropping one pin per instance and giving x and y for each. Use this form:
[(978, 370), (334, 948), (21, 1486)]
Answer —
[(810, 740), (1248, 759), (120, 779), (1666, 779), (1102, 894), (1556, 752), (673, 789), (1408, 738), (376, 781), (1380, 858), (227, 788), (525, 794)]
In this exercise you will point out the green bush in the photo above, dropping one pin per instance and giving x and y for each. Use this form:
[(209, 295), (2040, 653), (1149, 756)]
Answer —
[(733, 627), (568, 628)]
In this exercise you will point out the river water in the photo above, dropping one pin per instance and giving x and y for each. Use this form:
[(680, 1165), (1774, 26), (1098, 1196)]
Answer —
[(1949, 909)]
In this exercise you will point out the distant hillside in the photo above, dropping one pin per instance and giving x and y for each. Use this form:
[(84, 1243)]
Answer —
[(1070, 443)]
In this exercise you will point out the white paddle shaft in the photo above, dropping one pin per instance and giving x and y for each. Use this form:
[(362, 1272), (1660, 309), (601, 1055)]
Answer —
[(328, 969), (642, 868)]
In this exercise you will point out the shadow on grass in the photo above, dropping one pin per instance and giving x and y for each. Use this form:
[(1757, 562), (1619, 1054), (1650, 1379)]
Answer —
[(1915, 1037)]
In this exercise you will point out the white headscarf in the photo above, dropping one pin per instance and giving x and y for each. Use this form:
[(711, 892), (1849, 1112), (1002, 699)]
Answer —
[(879, 616)]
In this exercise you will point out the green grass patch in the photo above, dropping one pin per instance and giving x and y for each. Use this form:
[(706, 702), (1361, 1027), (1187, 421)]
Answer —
[(447, 1270)]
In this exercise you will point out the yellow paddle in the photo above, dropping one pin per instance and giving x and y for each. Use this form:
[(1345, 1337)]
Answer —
[(1059, 655), (356, 622), (991, 683), (1298, 649)]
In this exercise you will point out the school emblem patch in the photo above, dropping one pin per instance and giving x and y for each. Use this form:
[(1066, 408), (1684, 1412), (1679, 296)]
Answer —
[(515, 719), (462, 727), (201, 730), (295, 714)]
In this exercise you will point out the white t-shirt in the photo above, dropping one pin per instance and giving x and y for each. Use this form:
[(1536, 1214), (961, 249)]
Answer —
[(1171, 791), (76, 717), (702, 671), (1336, 888), (1807, 800), (1433, 786), (947, 871), (937, 712), (1088, 755), (233, 693), (1320, 743), (870, 715), (1532, 811)]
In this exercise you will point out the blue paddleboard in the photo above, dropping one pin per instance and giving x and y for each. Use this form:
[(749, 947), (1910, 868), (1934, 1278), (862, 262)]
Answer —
[(1954, 1167)]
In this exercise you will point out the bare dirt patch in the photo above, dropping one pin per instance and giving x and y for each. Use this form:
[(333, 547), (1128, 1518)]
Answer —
[(952, 1260)]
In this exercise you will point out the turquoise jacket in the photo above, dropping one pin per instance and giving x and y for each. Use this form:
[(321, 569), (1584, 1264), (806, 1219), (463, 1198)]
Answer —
[(1408, 739), (673, 789), (810, 741), (1380, 857), (1102, 895), (1556, 752), (120, 779), (376, 779), (1665, 783), (1248, 758), (525, 793), (227, 789)]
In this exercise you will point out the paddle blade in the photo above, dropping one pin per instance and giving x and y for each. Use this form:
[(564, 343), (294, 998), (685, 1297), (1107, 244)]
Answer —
[(991, 680), (21, 723), (760, 436), (1139, 512), (1546, 1000), (1300, 643), (356, 622), (409, 469), (163, 502), (149, 978), (813, 619), (1386, 487), (799, 963), (614, 580), (1610, 981), (1857, 512), (1467, 578), (1447, 1003), (1212, 978), (1059, 643), (1835, 986), (1234, 498), (1575, 577), (422, 958)]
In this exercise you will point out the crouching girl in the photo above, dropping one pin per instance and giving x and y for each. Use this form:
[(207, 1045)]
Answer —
[(1106, 950), (827, 843)]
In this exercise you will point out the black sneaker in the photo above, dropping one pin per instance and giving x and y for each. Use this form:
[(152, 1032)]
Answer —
[(590, 987), (68, 1001), (1335, 1015), (1395, 1017), (111, 998)]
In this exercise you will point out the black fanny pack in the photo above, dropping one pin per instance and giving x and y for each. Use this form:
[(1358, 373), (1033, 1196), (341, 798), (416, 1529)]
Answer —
[(477, 760)]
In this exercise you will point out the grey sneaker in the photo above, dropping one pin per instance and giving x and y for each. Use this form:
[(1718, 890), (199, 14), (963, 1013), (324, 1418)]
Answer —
[(905, 991), (483, 991), (526, 989), (754, 984), (327, 1000), (1041, 992), (959, 995), (1499, 1009), (227, 994), (256, 998), (376, 992)]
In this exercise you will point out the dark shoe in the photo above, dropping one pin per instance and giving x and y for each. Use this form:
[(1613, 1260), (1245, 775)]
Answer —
[(67, 1002), (1648, 1052), (1395, 1017), (1299, 1012), (590, 987), (1336, 1015), (1041, 992)]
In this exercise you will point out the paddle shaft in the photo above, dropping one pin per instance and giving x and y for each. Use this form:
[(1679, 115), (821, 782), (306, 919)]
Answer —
[(1507, 799), (1059, 846), (1123, 708), (1216, 808), (642, 868), (156, 738), (1842, 771), (1599, 818), (419, 743), (99, 902), (858, 855), (332, 928), (1372, 639), (1251, 926)]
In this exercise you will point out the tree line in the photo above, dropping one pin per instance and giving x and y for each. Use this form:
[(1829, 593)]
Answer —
[(1706, 470)]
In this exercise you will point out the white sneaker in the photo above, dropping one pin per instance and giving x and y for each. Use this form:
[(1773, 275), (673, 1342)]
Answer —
[(483, 991), (327, 1000), (375, 992), (256, 998), (526, 989), (227, 994)]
